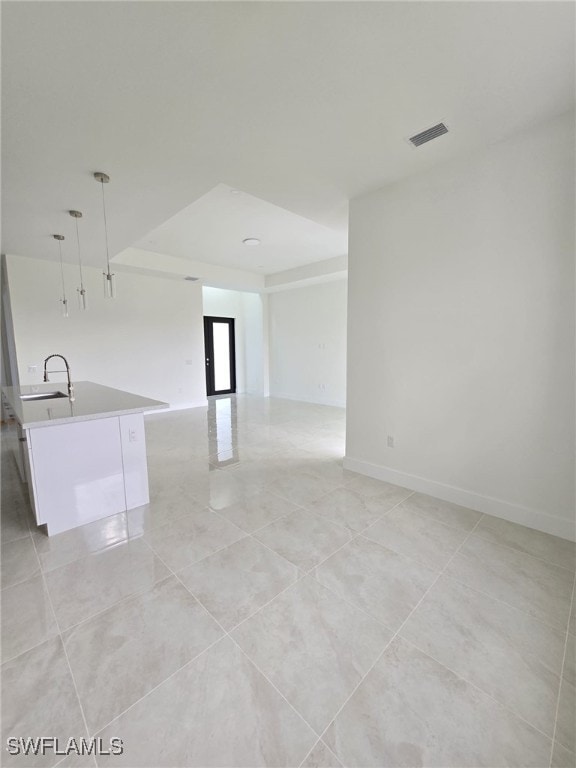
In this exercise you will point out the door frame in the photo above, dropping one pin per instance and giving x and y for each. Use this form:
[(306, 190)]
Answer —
[(209, 354)]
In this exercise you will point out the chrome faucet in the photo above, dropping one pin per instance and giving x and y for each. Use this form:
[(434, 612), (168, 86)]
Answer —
[(67, 372)]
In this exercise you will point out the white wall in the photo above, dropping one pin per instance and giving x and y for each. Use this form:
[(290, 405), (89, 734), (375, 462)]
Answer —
[(149, 340), (308, 343), (248, 312), (461, 330), (255, 309)]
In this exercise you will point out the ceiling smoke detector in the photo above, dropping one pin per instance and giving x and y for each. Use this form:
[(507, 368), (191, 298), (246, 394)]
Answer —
[(191, 279), (430, 133), (251, 241)]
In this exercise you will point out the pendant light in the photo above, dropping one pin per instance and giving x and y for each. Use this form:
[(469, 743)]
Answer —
[(103, 178), (63, 300), (81, 291)]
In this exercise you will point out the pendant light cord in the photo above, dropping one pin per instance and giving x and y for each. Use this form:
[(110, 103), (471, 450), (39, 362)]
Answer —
[(62, 271), (79, 256), (105, 227)]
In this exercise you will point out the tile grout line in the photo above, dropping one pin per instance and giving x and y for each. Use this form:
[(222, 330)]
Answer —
[(388, 644), (13, 541), (251, 661), (262, 527), (307, 508), (33, 575), (144, 535), (127, 540), (171, 574), (503, 602), (302, 575), (479, 534), (106, 548), (22, 520), (63, 644), (224, 546), (354, 535), (172, 674), (226, 634), (32, 647), (363, 535), (298, 508), (505, 707), (322, 743), (278, 691), (126, 598), (3, 544), (562, 674), (149, 545), (528, 554), (351, 604)]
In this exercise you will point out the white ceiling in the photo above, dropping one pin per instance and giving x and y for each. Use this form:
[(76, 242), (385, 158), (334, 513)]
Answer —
[(212, 230), (302, 105)]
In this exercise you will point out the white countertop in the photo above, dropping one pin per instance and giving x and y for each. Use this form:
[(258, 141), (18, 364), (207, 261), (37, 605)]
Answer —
[(92, 401)]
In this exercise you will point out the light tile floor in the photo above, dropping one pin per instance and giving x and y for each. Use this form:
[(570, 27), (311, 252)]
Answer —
[(269, 608)]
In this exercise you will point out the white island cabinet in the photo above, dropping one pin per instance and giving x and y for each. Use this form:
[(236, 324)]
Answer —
[(83, 459)]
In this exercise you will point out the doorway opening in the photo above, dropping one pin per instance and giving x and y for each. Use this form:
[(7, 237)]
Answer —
[(220, 355)]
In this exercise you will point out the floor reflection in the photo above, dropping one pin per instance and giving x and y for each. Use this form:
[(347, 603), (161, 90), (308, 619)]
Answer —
[(222, 420)]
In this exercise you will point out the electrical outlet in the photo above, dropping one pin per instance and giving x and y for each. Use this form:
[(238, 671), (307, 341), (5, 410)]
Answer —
[(390, 441), (32, 368), (132, 435)]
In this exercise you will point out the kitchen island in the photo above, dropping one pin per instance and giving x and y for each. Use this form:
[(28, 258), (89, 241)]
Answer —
[(83, 459)]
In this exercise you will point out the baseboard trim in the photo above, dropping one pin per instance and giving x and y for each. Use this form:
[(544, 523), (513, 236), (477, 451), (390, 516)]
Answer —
[(515, 513), (284, 396)]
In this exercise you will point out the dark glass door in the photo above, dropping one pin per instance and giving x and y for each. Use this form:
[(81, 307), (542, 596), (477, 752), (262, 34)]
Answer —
[(220, 355)]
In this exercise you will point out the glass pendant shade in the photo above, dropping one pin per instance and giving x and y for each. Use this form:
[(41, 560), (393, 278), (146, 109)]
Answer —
[(63, 300), (109, 286), (82, 298)]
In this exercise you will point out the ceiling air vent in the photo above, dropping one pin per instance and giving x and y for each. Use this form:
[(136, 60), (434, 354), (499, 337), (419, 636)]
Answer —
[(428, 134)]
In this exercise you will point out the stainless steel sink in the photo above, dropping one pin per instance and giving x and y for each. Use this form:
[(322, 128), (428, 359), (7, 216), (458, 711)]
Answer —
[(43, 396)]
